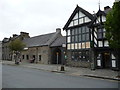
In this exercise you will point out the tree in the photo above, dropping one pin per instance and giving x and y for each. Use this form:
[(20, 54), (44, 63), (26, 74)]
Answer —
[(16, 46), (112, 26)]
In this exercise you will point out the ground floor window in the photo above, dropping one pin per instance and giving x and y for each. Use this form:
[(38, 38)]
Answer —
[(80, 55), (39, 57), (23, 57), (27, 57)]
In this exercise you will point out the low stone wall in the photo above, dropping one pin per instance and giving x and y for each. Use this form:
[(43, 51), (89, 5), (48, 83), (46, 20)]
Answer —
[(74, 63)]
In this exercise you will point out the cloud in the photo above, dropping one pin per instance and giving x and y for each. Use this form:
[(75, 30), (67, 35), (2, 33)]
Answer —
[(40, 16)]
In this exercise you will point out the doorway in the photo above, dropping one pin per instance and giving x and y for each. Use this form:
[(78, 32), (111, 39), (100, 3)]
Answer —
[(106, 60), (56, 56)]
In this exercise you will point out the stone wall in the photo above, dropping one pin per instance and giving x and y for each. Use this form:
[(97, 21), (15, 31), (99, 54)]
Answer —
[(74, 63), (45, 55), (6, 55), (43, 51)]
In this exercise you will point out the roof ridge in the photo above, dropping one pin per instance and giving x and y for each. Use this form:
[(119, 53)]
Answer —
[(42, 35)]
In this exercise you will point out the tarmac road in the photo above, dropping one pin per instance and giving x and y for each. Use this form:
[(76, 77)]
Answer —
[(21, 77)]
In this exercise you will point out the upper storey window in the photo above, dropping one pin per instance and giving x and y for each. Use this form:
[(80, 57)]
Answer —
[(78, 19), (101, 19), (101, 33)]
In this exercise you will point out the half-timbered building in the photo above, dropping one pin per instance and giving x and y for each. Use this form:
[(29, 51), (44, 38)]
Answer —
[(86, 43), (78, 38)]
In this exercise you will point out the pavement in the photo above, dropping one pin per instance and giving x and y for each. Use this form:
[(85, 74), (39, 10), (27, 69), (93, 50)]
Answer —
[(74, 71)]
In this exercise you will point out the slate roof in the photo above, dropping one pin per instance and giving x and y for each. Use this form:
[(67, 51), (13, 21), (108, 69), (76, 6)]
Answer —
[(41, 40), (73, 14), (59, 41)]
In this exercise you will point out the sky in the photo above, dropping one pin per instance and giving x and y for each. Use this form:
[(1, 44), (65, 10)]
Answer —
[(38, 17)]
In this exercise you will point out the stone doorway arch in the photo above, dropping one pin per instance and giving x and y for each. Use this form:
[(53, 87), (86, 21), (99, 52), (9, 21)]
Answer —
[(56, 55)]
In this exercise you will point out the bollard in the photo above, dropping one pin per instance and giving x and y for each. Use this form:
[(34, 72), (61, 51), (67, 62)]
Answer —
[(62, 68), (92, 66)]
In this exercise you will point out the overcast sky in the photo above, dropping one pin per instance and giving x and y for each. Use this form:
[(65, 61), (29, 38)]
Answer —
[(40, 16)]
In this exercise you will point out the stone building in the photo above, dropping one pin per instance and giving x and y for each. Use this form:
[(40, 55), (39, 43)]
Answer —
[(86, 43), (43, 48), (6, 53)]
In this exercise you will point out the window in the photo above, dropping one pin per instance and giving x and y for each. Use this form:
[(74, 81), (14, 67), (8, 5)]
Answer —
[(83, 37), (39, 57), (87, 29), (68, 32), (76, 56), (106, 44), (87, 36), (87, 19), (76, 38), (73, 32), (23, 57), (79, 30), (68, 39), (76, 46), (80, 38), (79, 45), (101, 33), (83, 45), (68, 46), (27, 57), (34, 56), (78, 35), (83, 30), (72, 46), (72, 39), (84, 55), (80, 20), (76, 31), (100, 43), (80, 55), (87, 44), (76, 22)]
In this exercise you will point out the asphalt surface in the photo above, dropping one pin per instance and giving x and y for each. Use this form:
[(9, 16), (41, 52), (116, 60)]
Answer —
[(21, 77)]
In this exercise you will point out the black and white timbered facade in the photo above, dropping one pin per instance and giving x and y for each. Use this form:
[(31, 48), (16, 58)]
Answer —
[(86, 42)]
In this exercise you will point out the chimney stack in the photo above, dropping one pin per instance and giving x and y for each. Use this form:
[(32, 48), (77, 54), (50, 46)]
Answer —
[(106, 8), (58, 30), (117, 0), (15, 35)]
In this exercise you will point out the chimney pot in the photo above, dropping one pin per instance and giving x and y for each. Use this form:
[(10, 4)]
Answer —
[(58, 30), (106, 8)]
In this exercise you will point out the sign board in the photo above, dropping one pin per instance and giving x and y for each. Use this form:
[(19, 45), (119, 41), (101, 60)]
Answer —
[(98, 62), (113, 63)]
